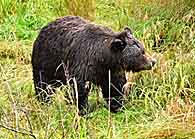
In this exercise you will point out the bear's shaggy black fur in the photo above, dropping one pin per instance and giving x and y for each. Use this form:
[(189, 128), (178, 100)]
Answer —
[(73, 47)]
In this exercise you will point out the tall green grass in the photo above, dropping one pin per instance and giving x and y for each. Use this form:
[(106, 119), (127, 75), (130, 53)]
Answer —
[(160, 103)]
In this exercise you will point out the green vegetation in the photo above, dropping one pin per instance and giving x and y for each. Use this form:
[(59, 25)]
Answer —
[(160, 103)]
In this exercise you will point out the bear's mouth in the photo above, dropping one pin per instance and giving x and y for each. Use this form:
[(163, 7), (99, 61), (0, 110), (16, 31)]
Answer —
[(147, 66)]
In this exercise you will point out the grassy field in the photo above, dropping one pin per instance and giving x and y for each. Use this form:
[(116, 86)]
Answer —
[(160, 104)]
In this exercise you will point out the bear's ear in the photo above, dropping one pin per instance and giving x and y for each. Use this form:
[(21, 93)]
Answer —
[(128, 31), (118, 45)]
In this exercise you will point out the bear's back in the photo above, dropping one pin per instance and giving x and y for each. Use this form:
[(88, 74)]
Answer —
[(60, 26), (73, 25), (72, 31)]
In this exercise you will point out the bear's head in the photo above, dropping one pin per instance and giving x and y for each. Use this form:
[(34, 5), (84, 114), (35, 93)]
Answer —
[(133, 56)]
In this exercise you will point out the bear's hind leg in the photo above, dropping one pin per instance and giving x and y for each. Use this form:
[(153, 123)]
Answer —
[(44, 91), (82, 94)]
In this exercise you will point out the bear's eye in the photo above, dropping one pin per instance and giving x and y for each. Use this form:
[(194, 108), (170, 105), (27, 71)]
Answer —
[(134, 43)]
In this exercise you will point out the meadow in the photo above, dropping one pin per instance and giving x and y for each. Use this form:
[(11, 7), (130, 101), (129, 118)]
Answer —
[(160, 103)]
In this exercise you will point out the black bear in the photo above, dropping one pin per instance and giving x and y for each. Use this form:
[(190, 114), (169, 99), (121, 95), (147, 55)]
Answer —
[(87, 52)]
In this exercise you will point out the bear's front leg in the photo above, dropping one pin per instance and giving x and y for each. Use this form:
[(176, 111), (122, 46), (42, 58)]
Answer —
[(82, 93), (116, 91)]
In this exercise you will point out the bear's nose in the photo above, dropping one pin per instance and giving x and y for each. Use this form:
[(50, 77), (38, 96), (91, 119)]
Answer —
[(153, 62)]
